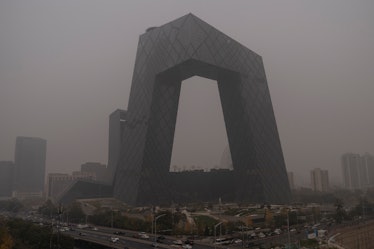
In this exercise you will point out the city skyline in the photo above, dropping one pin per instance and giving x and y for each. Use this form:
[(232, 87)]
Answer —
[(66, 66)]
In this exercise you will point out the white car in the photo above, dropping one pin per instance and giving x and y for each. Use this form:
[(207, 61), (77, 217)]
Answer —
[(238, 241), (261, 235), (114, 239), (178, 242), (143, 235), (187, 246)]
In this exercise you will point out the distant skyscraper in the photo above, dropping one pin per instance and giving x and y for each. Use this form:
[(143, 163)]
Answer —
[(291, 180), (320, 180), (367, 162), (29, 170), (117, 121), (6, 178), (355, 171)]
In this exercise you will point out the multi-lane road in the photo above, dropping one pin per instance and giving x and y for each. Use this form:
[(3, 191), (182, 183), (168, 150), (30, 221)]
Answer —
[(107, 237)]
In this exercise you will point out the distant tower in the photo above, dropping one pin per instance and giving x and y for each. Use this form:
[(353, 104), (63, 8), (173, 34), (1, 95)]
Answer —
[(117, 121), (291, 180), (367, 162), (353, 172), (319, 180), (6, 178), (29, 171)]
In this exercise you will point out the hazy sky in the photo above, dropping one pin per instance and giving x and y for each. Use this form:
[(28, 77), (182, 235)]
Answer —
[(66, 65)]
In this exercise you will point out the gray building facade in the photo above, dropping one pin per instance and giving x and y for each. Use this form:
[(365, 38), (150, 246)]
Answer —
[(117, 122), (358, 171), (166, 56), (98, 169), (29, 173), (6, 178)]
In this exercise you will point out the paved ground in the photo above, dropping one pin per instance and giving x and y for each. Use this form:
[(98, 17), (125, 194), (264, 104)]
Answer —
[(356, 236)]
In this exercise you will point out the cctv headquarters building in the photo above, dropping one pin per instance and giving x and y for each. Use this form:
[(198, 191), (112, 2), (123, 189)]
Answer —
[(166, 56)]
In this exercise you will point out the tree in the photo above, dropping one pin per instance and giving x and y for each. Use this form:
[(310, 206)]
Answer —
[(31, 236), (340, 213), (12, 205), (75, 212), (269, 217), (48, 209), (6, 241)]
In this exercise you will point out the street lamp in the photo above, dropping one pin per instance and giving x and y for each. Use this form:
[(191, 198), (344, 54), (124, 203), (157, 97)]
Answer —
[(242, 227), (112, 217), (288, 228), (215, 227), (161, 215)]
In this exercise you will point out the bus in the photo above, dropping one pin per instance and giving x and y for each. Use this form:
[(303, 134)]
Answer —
[(224, 241)]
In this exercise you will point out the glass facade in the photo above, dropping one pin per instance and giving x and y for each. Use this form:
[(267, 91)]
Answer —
[(166, 56), (29, 173), (117, 121)]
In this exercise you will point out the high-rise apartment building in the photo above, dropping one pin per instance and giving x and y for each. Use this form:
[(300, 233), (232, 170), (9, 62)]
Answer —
[(358, 171), (117, 121), (6, 178), (319, 180), (367, 162), (29, 171), (350, 167)]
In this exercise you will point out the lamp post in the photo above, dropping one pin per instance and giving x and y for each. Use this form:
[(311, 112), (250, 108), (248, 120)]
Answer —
[(242, 227), (111, 220), (161, 215), (112, 217), (288, 228), (215, 228)]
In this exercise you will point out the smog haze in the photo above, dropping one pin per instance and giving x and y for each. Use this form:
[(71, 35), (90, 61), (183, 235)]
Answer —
[(66, 65)]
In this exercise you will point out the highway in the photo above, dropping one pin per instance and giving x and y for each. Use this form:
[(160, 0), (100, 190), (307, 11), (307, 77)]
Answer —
[(103, 237)]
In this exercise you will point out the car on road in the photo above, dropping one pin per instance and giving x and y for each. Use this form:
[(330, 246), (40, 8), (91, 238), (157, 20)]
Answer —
[(119, 233), (261, 235), (238, 241), (189, 242), (114, 239), (178, 242), (160, 239), (187, 246), (143, 235)]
